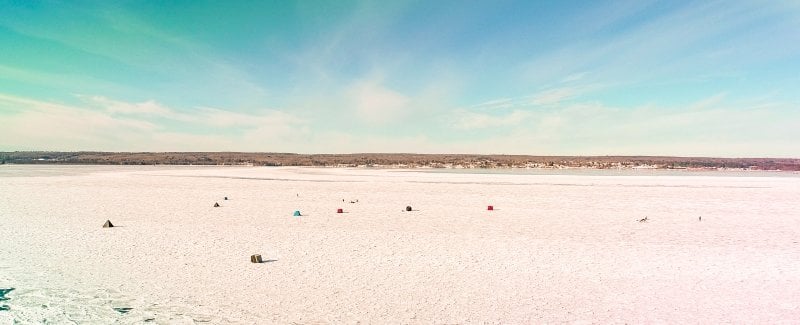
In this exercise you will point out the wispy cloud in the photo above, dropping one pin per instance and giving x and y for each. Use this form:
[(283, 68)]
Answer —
[(466, 120), (38, 125), (206, 116), (709, 102), (176, 62), (107, 124), (709, 126), (681, 42), (542, 99), (376, 103), (574, 77), (496, 104), (552, 96), (149, 107)]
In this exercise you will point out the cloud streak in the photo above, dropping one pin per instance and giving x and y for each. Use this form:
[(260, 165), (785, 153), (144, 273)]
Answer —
[(376, 103), (106, 124)]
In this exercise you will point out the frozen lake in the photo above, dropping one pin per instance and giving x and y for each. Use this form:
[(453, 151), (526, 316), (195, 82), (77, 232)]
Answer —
[(557, 248)]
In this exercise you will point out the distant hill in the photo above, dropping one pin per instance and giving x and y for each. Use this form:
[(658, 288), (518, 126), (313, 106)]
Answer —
[(403, 160)]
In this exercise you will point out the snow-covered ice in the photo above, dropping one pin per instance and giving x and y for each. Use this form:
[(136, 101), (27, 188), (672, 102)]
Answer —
[(557, 248)]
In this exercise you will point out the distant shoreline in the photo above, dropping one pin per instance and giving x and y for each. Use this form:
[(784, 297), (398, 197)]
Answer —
[(400, 160)]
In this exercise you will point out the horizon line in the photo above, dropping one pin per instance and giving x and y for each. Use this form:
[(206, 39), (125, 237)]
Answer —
[(392, 153)]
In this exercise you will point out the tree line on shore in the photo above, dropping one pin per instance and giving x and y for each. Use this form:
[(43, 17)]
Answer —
[(393, 159)]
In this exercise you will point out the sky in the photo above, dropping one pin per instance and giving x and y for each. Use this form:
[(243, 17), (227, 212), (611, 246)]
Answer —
[(681, 78)]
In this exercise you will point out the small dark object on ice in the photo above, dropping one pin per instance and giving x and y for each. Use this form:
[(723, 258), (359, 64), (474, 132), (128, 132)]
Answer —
[(123, 310), (408, 208), (216, 205), (256, 259), (643, 220), (108, 224)]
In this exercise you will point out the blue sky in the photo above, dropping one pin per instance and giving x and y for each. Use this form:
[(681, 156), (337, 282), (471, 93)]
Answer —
[(694, 78)]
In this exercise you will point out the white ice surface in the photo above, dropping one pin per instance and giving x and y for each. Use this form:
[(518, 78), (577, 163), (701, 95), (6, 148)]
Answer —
[(556, 248)]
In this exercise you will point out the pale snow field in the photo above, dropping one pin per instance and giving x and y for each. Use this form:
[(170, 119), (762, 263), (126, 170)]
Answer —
[(558, 248)]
